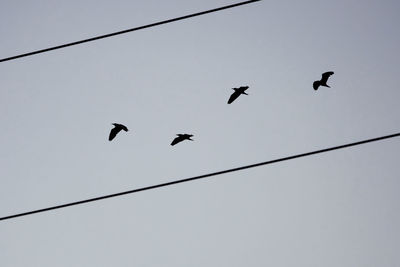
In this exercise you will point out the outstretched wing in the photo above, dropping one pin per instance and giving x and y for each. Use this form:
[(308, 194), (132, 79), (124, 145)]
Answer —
[(177, 140), (113, 133), (325, 76), (233, 96)]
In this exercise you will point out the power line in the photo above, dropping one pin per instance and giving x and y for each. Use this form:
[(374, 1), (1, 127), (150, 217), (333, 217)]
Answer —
[(200, 176), (128, 30)]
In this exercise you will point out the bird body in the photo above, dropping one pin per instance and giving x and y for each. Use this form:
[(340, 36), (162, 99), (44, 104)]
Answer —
[(237, 93), (180, 138), (323, 81), (117, 128)]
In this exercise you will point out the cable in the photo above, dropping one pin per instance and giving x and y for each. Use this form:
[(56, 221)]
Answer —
[(200, 176), (128, 30)]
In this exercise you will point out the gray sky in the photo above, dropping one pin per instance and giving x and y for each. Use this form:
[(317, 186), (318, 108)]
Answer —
[(336, 209)]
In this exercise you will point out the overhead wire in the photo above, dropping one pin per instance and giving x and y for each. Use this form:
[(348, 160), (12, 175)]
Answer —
[(128, 30), (200, 176)]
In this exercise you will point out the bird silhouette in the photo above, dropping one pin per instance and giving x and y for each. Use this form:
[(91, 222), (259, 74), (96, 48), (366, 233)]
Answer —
[(324, 79), (237, 93), (117, 128), (181, 137)]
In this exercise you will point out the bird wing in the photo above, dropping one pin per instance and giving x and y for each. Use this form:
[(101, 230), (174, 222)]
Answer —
[(113, 133), (325, 76), (123, 127), (233, 97), (176, 140)]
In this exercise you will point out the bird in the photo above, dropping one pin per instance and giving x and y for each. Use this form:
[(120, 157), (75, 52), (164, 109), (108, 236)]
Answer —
[(181, 137), (324, 79), (117, 128), (237, 93)]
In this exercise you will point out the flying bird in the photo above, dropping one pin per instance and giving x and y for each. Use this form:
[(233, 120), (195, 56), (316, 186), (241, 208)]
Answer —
[(181, 137), (324, 79), (237, 93), (117, 128)]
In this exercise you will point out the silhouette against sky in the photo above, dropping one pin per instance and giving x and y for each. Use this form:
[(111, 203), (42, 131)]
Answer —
[(117, 128), (180, 138), (238, 91), (323, 81), (334, 209)]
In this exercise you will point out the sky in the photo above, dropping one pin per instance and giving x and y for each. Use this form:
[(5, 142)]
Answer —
[(340, 208)]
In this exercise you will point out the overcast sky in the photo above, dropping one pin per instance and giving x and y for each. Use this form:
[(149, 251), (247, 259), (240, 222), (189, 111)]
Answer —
[(335, 209)]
